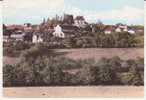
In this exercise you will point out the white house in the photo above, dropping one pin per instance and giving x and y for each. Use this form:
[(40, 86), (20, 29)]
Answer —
[(122, 28), (107, 32), (118, 30), (58, 32), (5, 38), (131, 31), (18, 36), (40, 39), (125, 29), (36, 39)]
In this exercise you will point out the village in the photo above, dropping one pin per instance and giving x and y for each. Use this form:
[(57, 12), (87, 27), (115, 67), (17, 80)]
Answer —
[(62, 27), (72, 48)]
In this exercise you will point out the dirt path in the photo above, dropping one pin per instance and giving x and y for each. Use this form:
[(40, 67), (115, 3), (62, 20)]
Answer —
[(97, 53), (99, 91), (10, 60)]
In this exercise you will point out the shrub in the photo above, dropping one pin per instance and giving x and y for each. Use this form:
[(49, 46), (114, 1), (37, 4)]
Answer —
[(71, 79), (53, 75), (9, 75), (39, 50), (14, 49), (115, 63), (67, 63), (136, 77), (52, 71), (87, 73), (107, 74), (132, 77)]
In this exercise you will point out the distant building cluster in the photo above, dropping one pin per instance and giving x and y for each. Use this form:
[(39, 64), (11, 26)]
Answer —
[(61, 27), (119, 28)]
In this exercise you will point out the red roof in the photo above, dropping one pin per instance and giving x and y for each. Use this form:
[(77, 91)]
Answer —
[(12, 27), (109, 28)]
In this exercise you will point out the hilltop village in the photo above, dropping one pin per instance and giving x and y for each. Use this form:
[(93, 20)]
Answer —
[(64, 27)]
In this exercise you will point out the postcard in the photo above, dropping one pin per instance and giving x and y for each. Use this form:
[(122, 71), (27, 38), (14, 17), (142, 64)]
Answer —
[(73, 48)]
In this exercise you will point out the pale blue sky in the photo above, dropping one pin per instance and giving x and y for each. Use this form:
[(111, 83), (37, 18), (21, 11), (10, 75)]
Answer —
[(108, 11)]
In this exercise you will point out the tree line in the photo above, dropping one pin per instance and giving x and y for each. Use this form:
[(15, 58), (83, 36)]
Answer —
[(95, 40)]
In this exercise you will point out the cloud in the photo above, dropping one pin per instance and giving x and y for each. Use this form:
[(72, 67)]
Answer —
[(29, 7), (34, 10), (29, 4), (127, 13)]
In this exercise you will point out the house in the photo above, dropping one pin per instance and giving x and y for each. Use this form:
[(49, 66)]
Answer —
[(15, 27), (15, 32), (121, 28), (40, 39), (18, 36), (108, 29), (69, 29), (140, 31), (118, 30), (34, 38), (125, 28), (27, 27), (68, 19), (6, 38), (80, 21), (19, 32), (37, 38), (131, 31), (58, 32), (6, 34)]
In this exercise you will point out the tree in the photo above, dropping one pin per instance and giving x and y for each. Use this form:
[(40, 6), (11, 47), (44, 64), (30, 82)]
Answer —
[(85, 42), (136, 78), (107, 75), (132, 77), (39, 50), (14, 49), (87, 73), (100, 26), (115, 63), (9, 75)]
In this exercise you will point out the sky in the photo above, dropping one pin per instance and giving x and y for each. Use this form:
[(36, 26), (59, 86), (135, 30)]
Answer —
[(107, 11)]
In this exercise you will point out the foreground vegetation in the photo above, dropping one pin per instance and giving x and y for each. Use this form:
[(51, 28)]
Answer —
[(40, 66)]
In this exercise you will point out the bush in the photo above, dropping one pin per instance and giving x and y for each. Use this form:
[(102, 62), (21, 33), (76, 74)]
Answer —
[(9, 75), (108, 71), (132, 77), (53, 75), (116, 64), (67, 63), (87, 74), (44, 70), (39, 50), (85, 42), (136, 78), (14, 49)]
